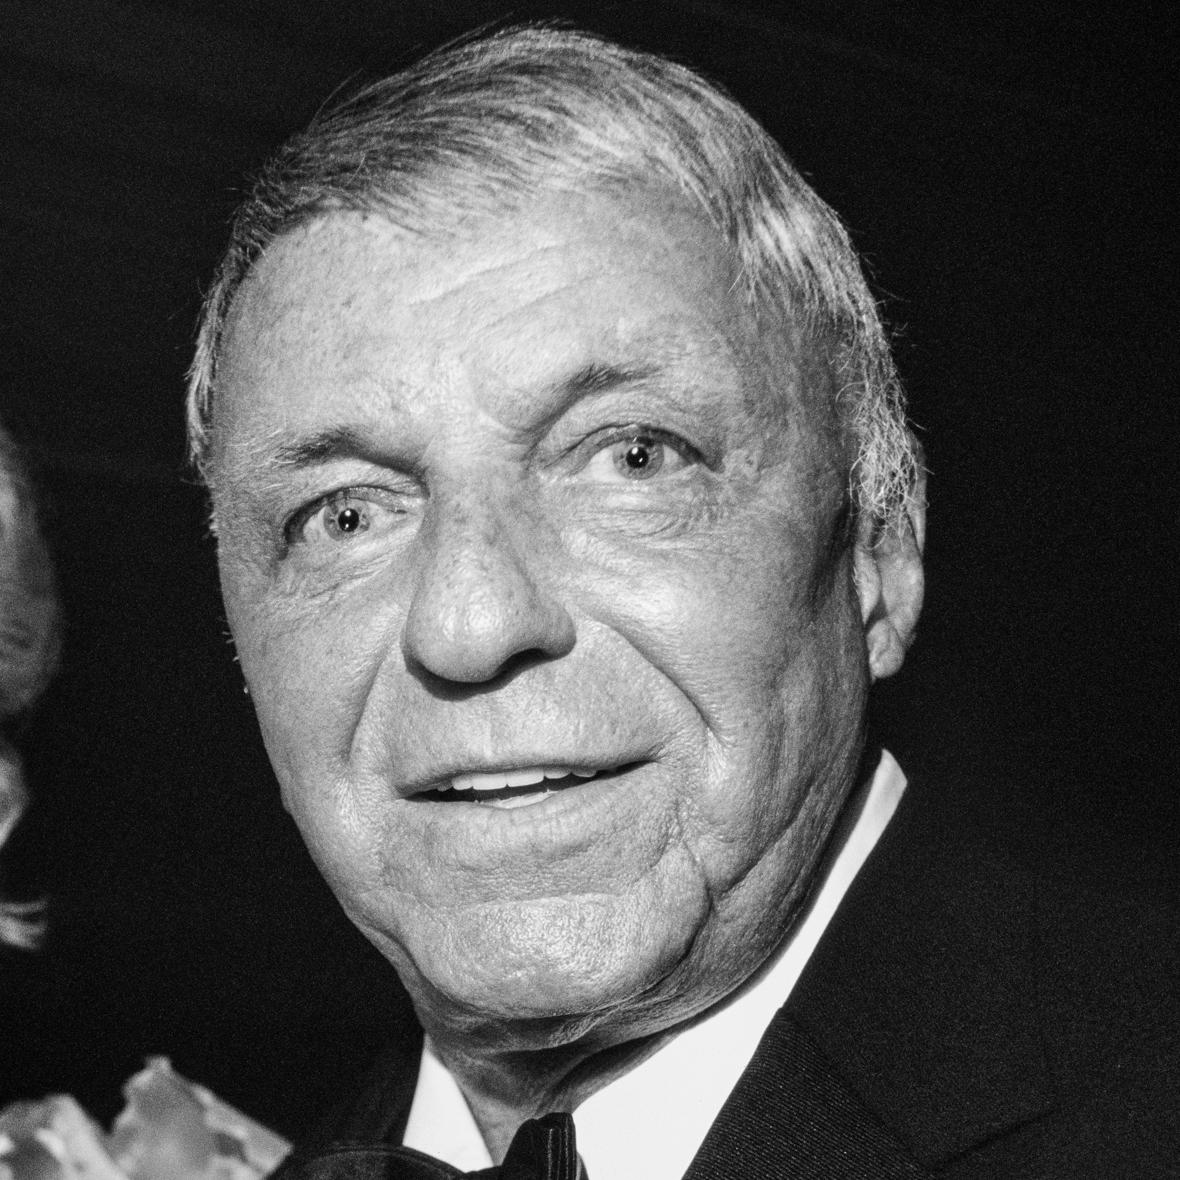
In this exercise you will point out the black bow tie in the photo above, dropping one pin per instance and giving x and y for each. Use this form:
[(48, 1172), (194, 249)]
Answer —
[(542, 1149)]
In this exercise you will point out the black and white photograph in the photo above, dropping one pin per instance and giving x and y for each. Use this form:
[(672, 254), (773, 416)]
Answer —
[(588, 591)]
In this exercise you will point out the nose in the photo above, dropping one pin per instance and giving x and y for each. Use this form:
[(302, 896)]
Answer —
[(478, 605)]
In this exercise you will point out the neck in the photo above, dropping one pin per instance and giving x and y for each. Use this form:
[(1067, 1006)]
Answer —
[(506, 1087)]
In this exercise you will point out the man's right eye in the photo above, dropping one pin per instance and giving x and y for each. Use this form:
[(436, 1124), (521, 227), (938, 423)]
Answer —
[(344, 517)]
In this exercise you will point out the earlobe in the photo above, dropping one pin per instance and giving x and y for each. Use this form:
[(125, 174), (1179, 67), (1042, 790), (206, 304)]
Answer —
[(887, 573)]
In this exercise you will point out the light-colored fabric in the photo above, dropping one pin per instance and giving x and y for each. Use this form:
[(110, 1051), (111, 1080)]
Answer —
[(441, 1123), (649, 1123)]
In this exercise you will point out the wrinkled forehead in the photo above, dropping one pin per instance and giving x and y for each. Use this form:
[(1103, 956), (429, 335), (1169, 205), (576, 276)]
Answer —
[(523, 297)]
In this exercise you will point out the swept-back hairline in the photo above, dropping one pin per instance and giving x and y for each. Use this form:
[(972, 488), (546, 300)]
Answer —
[(792, 249)]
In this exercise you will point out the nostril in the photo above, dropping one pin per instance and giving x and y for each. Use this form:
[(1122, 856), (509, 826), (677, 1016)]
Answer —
[(478, 622), (457, 688)]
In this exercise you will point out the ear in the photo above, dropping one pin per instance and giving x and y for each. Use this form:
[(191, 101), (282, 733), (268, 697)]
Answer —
[(887, 574)]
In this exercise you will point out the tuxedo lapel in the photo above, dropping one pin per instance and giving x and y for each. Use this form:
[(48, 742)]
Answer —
[(922, 994), (912, 1036), (791, 1117)]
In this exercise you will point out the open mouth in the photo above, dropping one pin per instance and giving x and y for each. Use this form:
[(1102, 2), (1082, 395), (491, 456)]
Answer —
[(521, 787)]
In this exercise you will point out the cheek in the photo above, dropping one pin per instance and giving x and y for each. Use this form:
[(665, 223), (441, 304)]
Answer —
[(315, 671), (310, 668), (729, 619), (762, 651)]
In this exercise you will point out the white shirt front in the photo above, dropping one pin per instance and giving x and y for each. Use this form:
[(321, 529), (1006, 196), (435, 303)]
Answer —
[(650, 1122)]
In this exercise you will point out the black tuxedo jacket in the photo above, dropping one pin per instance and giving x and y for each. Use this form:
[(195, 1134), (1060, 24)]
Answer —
[(970, 1012)]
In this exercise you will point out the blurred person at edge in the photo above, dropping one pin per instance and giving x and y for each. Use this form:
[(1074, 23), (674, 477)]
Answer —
[(29, 645), (170, 1128), (566, 512)]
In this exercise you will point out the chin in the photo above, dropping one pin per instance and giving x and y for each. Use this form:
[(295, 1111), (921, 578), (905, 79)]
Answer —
[(554, 973)]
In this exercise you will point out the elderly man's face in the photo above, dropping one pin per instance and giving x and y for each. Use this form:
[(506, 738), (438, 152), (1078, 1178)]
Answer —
[(528, 539)]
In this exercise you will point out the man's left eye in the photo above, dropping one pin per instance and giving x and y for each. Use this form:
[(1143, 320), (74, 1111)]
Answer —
[(639, 455)]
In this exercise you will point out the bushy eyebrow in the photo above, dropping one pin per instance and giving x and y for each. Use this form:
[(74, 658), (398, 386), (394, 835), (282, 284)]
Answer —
[(332, 442), (593, 378), (598, 378)]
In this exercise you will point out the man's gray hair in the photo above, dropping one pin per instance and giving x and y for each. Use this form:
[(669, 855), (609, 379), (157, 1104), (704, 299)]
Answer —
[(483, 125)]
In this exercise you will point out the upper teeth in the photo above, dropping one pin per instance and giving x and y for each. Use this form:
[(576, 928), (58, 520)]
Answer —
[(498, 779)]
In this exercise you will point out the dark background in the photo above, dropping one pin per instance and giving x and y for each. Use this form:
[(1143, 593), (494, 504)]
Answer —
[(1006, 172)]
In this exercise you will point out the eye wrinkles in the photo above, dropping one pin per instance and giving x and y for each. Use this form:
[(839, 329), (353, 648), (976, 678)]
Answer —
[(338, 441), (362, 513), (400, 439), (628, 440)]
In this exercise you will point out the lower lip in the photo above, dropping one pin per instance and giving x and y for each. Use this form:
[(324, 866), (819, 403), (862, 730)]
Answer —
[(510, 802)]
